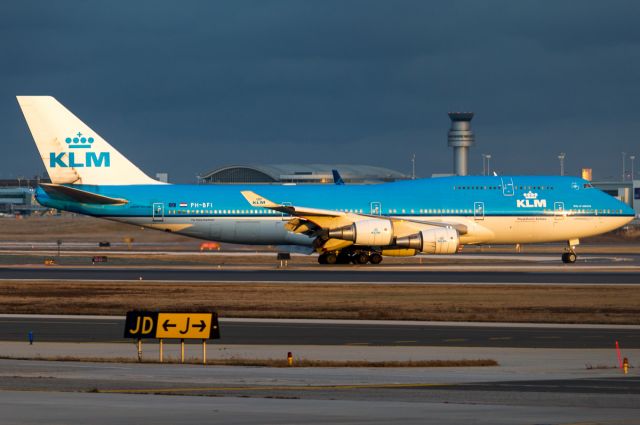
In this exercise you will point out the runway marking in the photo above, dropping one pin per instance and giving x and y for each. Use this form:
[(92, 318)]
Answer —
[(361, 324), (277, 388), (357, 343), (455, 340), (405, 342)]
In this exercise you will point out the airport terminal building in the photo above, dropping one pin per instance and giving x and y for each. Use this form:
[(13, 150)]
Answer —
[(300, 174)]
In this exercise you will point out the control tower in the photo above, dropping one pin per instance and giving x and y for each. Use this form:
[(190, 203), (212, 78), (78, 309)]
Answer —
[(460, 139)]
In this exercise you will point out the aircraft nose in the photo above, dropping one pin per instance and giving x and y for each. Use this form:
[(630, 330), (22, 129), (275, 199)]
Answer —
[(626, 209)]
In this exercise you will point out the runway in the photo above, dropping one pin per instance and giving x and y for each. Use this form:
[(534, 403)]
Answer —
[(317, 332), (347, 274), (159, 394)]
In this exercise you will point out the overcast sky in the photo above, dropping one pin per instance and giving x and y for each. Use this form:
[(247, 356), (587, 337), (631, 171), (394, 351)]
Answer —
[(185, 87)]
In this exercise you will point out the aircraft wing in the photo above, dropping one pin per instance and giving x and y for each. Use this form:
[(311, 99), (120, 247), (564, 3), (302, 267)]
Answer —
[(259, 201), (312, 220)]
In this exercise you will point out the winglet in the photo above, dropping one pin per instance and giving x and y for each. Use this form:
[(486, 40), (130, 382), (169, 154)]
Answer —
[(337, 178), (257, 200)]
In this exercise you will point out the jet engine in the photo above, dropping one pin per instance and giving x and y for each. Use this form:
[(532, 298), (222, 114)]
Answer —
[(441, 240), (373, 232)]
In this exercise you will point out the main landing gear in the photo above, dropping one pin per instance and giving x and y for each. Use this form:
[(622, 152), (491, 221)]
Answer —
[(569, 256), (347, 257)]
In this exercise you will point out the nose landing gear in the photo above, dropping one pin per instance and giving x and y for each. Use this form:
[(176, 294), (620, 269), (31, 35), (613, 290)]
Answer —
[(569, 256)]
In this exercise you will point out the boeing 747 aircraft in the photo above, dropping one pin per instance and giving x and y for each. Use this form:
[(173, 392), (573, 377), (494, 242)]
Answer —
[(343, 223)]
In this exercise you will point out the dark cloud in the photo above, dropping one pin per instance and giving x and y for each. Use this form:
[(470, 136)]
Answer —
[(185, 87)]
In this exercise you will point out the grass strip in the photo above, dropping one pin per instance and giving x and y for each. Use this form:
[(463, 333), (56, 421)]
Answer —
[(602, 304)]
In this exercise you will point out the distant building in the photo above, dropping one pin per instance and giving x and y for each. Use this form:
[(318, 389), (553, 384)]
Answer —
[(17, 196), (17, 200), (636, 197), (301, 173), (24, 182), (627, 191)]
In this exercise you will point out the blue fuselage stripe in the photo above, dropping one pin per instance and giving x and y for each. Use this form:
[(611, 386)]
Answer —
[(469, 196)]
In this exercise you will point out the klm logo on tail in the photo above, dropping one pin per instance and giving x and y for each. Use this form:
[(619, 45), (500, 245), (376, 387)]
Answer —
[(81, 155)]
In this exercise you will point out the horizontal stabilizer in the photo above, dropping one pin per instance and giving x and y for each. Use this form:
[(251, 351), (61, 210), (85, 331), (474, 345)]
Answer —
[(70, 194)]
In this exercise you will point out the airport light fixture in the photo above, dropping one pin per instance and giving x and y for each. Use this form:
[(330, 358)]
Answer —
[(413, 167), (486, 168), (561, 158), (632, 158), (624, 166)]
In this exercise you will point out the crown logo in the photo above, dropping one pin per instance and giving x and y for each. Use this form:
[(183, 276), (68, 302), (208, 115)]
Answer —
[(530, 195), (79, 142)]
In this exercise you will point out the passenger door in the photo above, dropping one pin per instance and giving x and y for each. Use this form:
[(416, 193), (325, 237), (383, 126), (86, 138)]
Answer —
[(376, 208), (478, 210), (558, 210), (285, 216), (158, 211)]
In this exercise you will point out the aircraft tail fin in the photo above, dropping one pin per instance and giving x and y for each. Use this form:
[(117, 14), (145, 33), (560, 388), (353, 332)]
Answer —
[(73, 153), (337, 178)]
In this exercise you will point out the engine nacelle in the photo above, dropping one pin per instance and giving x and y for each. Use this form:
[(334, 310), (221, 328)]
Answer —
[(442, 240), (373, 232)]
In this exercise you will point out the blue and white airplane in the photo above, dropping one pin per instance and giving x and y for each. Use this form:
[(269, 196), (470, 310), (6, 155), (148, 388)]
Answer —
[(343, 223)]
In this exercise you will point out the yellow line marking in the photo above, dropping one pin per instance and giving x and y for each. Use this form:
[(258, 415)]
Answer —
[(455, 340), (278, 388), (357, 343)]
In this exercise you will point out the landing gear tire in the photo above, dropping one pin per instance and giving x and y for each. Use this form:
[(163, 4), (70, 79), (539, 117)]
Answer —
[(331, 258), (361, 258), (375, 258), (322, 258), (569, 257)]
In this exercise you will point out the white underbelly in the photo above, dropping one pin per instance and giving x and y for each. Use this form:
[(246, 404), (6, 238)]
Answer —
[(509, 230)]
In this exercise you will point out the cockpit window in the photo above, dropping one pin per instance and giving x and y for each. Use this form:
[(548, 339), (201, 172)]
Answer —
[(587, 186)]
